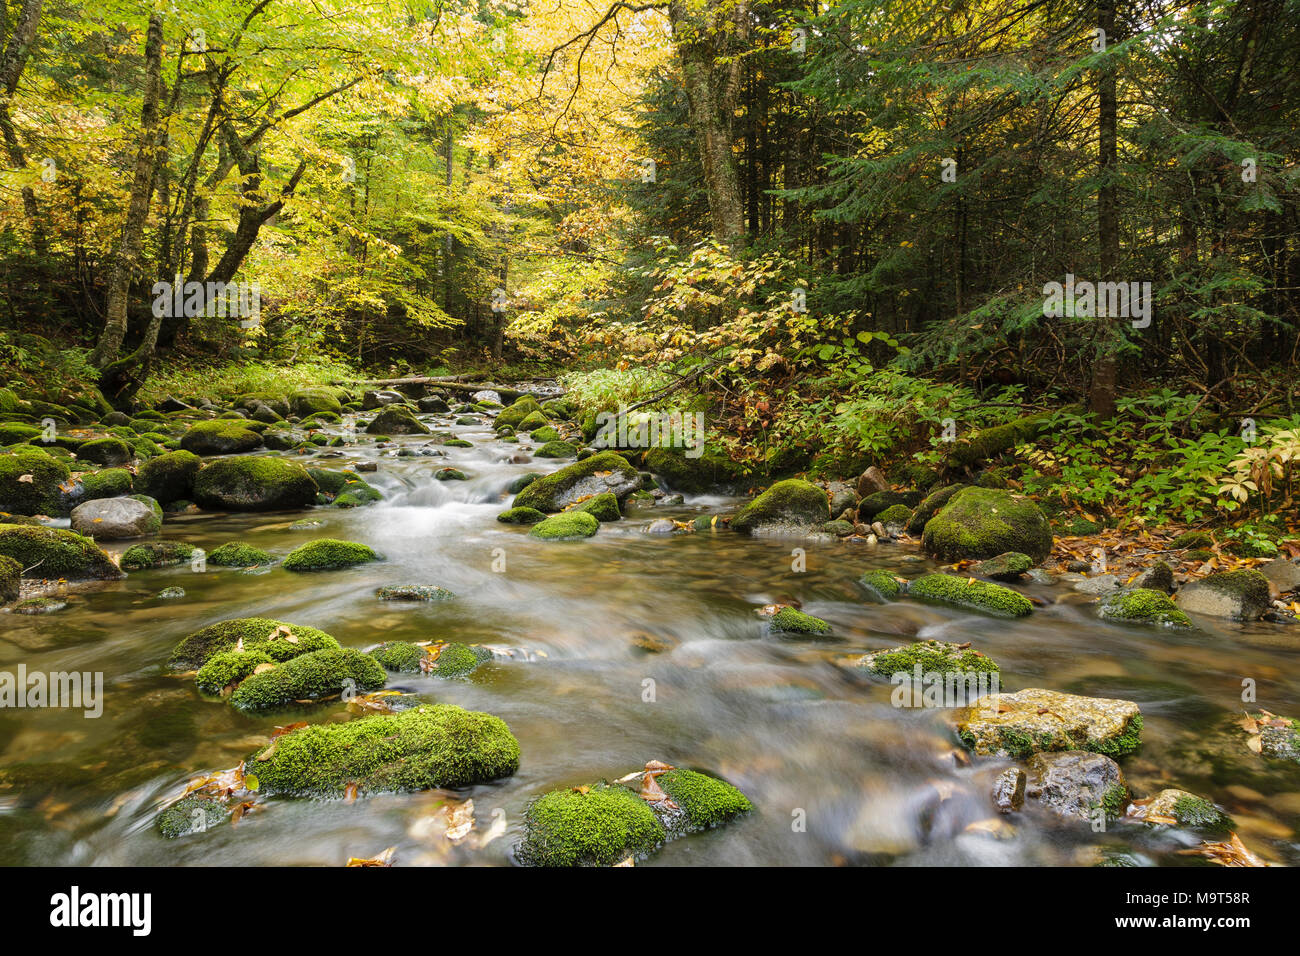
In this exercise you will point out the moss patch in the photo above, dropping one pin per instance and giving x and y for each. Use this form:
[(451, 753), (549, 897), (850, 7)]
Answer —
[(276, 638), (311, 676), (328, 554), (973, 595), (599, 827)]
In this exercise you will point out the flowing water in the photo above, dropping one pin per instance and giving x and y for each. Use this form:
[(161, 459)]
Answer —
[(838, 775)]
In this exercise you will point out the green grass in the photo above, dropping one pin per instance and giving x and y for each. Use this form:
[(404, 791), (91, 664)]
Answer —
[(236, 379)]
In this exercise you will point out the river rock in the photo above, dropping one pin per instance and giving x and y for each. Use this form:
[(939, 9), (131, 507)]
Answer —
[(1179, 808), (1035, 720), (371, 400), (1009, 790), (396, 420), (487, 395), (842, 497), (791, 506), (985, 522), (1283, 575), (1143, 606), (55, 553), (220, 437), (30, 481), (254, 484), (604, 472), (871, 481), (433, 404), (1158, 577), (1077, 783), (1011, 566), (1239, 595), (111, 519)]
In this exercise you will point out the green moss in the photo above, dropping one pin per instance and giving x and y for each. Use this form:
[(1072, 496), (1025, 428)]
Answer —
[(606, 471), (169, 477), (419, 749), (986, 522), (787, 502), (450, 474), (56, 553), (253, 484), (400, 656), (1143, 606), (10, 579), (522, 482), (603, 507), (327, 480), (531, 422), (882, 586), (556, 449), (1199, 814), (974, 595), (310, 400), (841, 529), (895, 514), (458, 443), (1198, 555), (521, 516), (220, 437), (790, 620), (413, 592), (16, 433), (109, 483), (327, 554), (357, 493), (514, 415), (457, 660), (600, 827), (309, 677), (1192, 539), (236, 555), (930, 506), (1114, 801), (255, 633), (228, 667), (1121, 745), (396, 420), (1005, 567), (106, 451), (707, 801), (711, 468), (934, 657), (190, 815), (156, 554), (548, 433), (570, 524), (39, 495), (991, 442)]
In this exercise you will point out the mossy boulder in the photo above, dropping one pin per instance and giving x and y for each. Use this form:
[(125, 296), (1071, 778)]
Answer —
[(605, 472), (523, 481), (532, 421), (895, 518), (793, 622), (357, 493), (220, 437), (17, 433), (55, 553), (156, 554), (413, 592), (456, 660), (986, 522), (401, 657), (419, 749), (328, 480), (39, 494), (692, 473), (1239, 595), (396, 420), (1143, 606), (602, 507), (1034, 720), (450, 474), (880, 501), (235, 554), (706, 801), (191, 815), (1192, 539), (225, 670), (556, 449), (1011, 566), (253, 484), (570, 524), (308, 401), (109, 483), (542, 435), (932, 657), (328, 554), (10, 579), (1077, 784), (112, 519), (521, 516), (277, 639), (930, 506), (589, 826), (513, 416), (106, 452), (792, 505), (312, 676), (990, 442), (971, 595), (1179, 808), (881, 586)]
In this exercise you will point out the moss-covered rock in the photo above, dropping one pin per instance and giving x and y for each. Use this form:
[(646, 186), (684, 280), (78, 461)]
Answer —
[(1142, 606), (895, 518), (109, 483), (570, 524), (450, 474), (191, 815), (325, 673), (227, 669), (327, 554), (881, 586), (39, 494), (986, 522), (878, 502), (1279, 737), (1239, 595), (605, 472), (328, 480), (522, 482), (1192, 539), (790, 505), (1077, 784), (254, 484), (521, 516), (514, 415), (991, 442), (396, 420), (932, 657), (602, 507), (681, 472), (971, 595), (1034, 720), (413, 592), (18, 433), (220, 437), (401, 657), (277, 639), (589, 826), (418, 749), (1173, 807), (706, 801), (156, 554), (1011, 566), (792, 621), (235, 554), (357, 493), (531, 422), (106, 452), (169, 477), (456, 660), (55, 553), (556, 449), (542, 435), (10, 579), (930, 506), (308, 401)]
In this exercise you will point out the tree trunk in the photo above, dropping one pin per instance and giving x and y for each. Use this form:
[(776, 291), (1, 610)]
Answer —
[(125, 256), (12, 63), (1101, 399)]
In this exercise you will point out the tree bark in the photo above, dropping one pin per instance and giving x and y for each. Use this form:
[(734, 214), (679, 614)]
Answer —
[(12, 62), (1101, 399)]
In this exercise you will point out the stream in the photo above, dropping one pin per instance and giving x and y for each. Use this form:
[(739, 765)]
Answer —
[(837, 774)]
